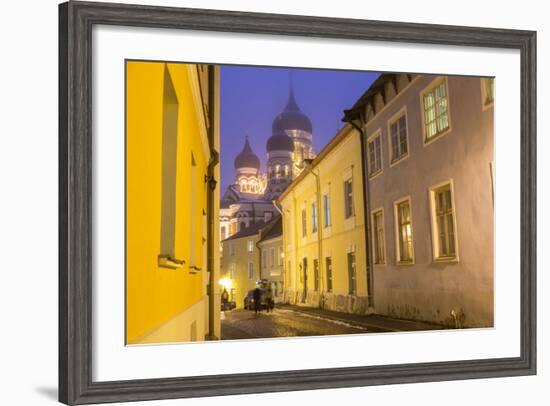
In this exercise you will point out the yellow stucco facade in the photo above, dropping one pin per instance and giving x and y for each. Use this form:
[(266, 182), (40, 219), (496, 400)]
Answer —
[(324, 230), (167, 158)]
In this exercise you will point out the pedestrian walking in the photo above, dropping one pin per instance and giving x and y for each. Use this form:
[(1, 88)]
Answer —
[(269, 299), (257, 300)]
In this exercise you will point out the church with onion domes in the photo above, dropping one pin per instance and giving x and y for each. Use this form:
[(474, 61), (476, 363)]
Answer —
[(249, 199)]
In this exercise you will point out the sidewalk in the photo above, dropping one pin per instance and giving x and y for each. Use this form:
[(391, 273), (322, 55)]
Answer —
[(372, 322)]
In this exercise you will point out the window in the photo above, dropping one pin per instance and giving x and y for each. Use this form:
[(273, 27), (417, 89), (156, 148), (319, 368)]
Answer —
[(250, 270), (378, 237), (313, 217), (264, 259), (223, 233), (326, 210), (443, 222), (404, 232), (280, 256), (277, 171), (328, 263), (488, 91), (304, 223), (348, 198), (352, 274), (398, 138), (436, 111), (375, 155), (232, 271), (316, 275), (169, 169), (271, 257), (250, 245)]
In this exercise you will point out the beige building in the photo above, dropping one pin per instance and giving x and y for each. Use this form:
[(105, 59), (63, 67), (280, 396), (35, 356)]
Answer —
[(429, 141), (270, 245), (324, 229)]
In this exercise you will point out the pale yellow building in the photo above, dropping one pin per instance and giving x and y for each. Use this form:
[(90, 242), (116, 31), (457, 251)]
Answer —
[(324, 229), (171, 204), (240, 263)]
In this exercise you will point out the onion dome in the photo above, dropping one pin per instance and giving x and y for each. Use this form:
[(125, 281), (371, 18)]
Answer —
[(291, 118), (280, 142), (247, 158)]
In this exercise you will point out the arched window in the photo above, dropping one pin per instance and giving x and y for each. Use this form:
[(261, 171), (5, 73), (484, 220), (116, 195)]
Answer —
[(277, 171), (286, 170)]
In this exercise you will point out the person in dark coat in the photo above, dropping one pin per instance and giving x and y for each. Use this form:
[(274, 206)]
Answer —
[(257, 300)]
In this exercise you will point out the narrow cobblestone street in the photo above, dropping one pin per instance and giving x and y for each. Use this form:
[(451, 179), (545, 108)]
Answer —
[(294, 321)]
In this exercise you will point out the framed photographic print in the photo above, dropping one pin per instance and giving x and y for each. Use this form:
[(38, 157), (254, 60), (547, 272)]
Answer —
[(259, 203)]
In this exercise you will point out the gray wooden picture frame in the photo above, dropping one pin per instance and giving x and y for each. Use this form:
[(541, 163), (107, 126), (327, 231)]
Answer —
[(76, 20)]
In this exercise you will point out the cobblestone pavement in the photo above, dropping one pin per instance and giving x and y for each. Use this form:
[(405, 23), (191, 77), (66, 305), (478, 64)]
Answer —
[(239, 324), (295, 321)]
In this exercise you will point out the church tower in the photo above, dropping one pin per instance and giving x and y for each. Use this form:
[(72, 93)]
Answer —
[(247, 168), (295, 124)]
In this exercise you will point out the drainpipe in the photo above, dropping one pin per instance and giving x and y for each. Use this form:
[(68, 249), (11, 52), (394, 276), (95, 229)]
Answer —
[(319, 228), (362, 129), (274, 203), (214, 160)]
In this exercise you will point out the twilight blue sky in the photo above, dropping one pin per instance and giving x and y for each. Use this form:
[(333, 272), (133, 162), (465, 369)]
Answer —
[(251, 97)]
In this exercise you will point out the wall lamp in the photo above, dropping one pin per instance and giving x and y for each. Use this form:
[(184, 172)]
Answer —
[(212, 182)]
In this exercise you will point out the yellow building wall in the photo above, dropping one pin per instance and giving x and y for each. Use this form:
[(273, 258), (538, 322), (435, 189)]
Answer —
[(343, 235), (241, 282), (157, 294)]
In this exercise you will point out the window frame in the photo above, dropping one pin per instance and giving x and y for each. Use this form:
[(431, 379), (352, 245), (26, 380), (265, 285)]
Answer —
[(314, 217), (250, 246), (327, 208), (401, 112), (374, 235), (433, 220), (370, 140), (396, 204), (304, 222), (352, 209), (249, 270), (428, 89)]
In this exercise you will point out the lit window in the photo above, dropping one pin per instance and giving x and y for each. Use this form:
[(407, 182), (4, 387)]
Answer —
[(271, 257), (375, 155), (280, 256), (250, 245), (277, 171), (313, 217), (232, 271), (404, 232), (326, 210), (304, 223), (316, 275), (444, 237), (378, 238), (352, 274), (436, 111), (328, 263), (348, 198), (398, 138)]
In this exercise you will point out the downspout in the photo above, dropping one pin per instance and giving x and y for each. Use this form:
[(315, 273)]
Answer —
[(319, 228), (214, 160), (274, 203), (366, 204)]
